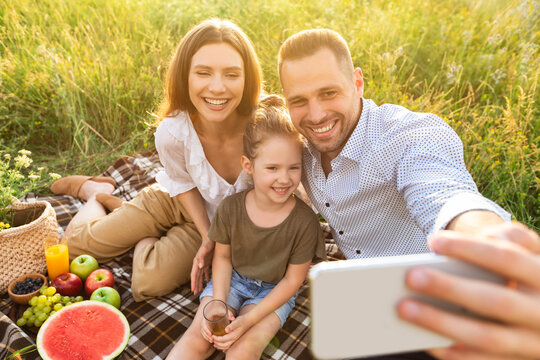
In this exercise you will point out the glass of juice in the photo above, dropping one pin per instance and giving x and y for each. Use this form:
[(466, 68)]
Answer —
[(57, 257), (216, 314)]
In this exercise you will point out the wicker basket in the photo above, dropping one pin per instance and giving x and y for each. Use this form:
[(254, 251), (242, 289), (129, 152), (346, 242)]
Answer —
[(22, 245)]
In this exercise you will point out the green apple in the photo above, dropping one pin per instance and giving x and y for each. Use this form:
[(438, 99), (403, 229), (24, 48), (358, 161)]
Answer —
[(108, 295), (83, 265)]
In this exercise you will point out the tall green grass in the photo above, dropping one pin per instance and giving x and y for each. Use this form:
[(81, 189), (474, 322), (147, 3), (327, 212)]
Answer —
[(80, 81)]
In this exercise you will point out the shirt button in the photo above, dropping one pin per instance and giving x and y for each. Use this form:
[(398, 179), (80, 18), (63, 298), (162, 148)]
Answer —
[(327, 204), (340, 232), (358, 251)]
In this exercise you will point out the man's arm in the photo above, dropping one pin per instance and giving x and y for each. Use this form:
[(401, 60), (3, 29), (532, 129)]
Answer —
[(474, 221)]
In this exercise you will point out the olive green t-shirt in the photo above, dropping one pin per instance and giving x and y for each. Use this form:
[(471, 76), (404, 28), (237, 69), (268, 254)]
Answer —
[(264, 253)]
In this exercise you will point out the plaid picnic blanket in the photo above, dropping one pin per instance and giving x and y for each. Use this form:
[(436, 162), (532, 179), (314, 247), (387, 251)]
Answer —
[(158, 323)]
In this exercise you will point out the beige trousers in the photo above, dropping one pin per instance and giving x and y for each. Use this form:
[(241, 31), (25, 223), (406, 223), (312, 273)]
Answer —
[(160, 268)]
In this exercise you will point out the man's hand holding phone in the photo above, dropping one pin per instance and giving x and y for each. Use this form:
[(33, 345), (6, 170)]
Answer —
[(511, 325)]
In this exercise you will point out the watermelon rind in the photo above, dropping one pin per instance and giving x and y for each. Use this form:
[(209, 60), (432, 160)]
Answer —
[(50, 323)]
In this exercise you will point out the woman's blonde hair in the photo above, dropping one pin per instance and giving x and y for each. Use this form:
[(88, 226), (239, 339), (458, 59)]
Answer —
[(212, 31), (270, 119)]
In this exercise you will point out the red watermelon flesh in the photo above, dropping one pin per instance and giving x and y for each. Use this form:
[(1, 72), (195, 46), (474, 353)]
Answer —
[(89, 330)]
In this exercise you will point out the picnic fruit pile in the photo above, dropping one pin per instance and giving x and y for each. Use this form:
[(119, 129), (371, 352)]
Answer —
[(67, 289)]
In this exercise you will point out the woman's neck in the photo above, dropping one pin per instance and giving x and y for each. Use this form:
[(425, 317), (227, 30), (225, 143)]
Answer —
[(222, 144), (227, 128)]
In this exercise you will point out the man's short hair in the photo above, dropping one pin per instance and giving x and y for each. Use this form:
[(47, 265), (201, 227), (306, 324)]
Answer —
[(308, 42)]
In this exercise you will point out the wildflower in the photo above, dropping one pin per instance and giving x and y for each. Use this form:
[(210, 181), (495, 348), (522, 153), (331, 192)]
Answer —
[(7, 157), (33, 177), (23, 161), (498, 75), (55, 176), (25, 152), (529, 58), (495, 164), (454, 73), (493, 40)]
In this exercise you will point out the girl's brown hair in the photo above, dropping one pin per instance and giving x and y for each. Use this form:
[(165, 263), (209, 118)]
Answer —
[(270, 119), (212, 31)]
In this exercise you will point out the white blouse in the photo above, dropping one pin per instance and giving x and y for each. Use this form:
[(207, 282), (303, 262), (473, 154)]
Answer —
[(186, 166)]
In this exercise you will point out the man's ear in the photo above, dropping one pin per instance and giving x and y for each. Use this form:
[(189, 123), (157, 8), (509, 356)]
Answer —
[(359, 81), (247, 165)]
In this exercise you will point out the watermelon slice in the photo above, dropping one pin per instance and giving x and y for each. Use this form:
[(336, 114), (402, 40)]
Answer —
[(89, 330)]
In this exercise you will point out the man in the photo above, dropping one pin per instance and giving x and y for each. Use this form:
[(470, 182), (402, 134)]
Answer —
[(387, 179)]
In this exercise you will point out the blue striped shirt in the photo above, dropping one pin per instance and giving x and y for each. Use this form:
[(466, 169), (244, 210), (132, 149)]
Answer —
[(400, 178)]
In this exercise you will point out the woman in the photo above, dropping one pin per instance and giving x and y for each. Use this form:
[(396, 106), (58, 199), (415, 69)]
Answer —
[(213, 86)]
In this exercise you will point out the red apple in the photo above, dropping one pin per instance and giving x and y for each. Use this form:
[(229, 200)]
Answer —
[(98, 278), (67, 284)]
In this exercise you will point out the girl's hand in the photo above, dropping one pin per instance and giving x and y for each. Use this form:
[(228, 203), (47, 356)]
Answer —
[(206, 332), (235, 329), (510, 250), (201, 266)]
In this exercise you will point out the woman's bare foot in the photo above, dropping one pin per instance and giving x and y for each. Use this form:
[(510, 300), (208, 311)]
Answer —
[(90, 189)]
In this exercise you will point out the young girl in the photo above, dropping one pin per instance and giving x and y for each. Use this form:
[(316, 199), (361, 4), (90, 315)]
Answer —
[(213, 87), (265, 241)]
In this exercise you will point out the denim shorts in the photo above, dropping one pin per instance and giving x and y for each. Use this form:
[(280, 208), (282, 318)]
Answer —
[(245, 291)]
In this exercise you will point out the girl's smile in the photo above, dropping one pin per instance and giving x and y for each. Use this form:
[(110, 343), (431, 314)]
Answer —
[(276, 170)]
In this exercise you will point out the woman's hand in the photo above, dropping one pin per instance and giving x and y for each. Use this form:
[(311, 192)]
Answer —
[(510, 250), (201, 266), (234, 330)]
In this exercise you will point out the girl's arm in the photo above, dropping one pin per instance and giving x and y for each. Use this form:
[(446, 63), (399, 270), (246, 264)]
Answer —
[(222, 270), (193, 203), (284, 290)]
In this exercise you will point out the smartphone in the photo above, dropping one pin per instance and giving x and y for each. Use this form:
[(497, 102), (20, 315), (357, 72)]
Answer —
[(353, 305)]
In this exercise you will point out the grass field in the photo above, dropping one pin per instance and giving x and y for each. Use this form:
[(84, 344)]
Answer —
[(80, 80)]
